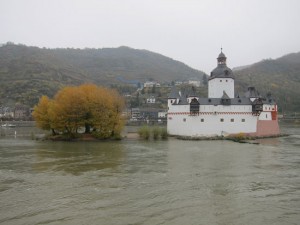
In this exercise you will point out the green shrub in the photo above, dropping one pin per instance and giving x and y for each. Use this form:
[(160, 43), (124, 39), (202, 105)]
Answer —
[(144, 132), (164, 133), (156, 132)]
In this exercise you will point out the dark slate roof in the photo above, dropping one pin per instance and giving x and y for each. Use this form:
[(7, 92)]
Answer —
[(217, 101), (174, 93), (221, 55), (252, 93), (270, 98), (184, 93), (221, 71), (225, 95), (241, 101), (183, 100)]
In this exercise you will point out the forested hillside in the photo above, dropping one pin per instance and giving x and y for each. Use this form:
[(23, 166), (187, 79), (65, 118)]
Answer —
[(281, 77), (26, 73)]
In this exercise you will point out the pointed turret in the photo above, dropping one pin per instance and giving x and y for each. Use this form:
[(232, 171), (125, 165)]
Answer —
[(221, 71), (222, 58), (221, 79)]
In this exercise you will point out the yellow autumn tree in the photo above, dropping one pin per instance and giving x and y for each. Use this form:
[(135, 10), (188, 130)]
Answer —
[(42, 114), (94, 109)]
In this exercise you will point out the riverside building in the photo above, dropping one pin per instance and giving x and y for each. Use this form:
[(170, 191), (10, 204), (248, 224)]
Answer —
[(222, 113)]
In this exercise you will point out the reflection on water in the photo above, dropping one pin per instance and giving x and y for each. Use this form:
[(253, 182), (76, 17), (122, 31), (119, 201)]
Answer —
[(146, 182), (77, 158)]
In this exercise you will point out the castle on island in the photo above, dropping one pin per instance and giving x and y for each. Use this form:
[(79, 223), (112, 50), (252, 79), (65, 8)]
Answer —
[(223, 113)]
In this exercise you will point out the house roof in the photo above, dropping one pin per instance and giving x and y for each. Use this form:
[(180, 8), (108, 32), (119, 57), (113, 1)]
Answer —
[(216, 101), (221, 71), (269, 99), (225, 95), (183, 100), (221, 55), (174, 93), (252, 93)]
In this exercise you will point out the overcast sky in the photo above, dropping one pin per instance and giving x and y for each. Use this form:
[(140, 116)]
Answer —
[(191, 31)]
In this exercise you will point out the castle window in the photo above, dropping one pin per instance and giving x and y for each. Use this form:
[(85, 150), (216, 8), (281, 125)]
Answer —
[(202, 120), (243, 120), (184, 119), (231, 120), (226, 80), (266, 115), (221, 120), (220, 80), (194, 107)]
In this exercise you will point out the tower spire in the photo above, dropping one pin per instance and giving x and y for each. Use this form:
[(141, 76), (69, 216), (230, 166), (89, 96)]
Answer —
[(221, 58)]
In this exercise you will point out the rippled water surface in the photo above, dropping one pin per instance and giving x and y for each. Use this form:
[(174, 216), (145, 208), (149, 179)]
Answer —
[(150, 182)]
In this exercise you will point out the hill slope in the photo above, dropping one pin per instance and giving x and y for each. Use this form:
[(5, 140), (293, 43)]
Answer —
[(111, 64), (26, 73), (281, 77)]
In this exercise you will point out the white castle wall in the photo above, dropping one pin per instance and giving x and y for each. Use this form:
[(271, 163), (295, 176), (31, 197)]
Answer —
[(216, 87), (211, 121)]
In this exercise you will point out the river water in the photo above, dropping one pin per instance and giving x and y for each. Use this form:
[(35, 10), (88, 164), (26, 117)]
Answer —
[(150, 182)]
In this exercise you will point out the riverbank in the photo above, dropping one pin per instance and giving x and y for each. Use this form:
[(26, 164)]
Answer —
[(235, 138), (27, 129)]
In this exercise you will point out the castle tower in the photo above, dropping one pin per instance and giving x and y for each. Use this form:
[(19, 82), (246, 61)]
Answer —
[(221, 79)]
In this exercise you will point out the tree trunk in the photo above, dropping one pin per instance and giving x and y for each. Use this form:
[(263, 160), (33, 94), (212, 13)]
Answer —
[(53, 132), (87, 128)]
